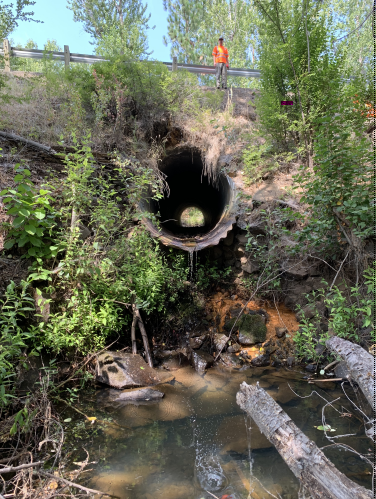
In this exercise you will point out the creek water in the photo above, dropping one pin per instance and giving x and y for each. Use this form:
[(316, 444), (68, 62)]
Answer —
[(196, 440)]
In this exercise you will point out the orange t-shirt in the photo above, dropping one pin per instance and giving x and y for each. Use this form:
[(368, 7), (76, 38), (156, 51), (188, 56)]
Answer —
[(220, 54)]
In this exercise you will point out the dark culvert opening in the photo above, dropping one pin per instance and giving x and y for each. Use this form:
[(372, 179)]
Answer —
[(190, 188)]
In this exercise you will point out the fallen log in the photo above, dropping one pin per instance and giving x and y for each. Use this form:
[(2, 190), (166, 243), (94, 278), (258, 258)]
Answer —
[(316, 473), (360, 363), (17, 138)]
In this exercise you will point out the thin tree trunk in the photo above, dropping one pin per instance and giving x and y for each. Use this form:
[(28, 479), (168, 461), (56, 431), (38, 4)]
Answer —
[(133, 329), (144, 337), (316, 473)]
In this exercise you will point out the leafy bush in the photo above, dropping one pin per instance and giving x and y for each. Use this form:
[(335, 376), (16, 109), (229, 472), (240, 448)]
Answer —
[(350, 316), (34, 217), (339, 189), (14, 309)]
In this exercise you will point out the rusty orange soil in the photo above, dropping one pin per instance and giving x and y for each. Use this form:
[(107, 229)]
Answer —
[(279, 316)]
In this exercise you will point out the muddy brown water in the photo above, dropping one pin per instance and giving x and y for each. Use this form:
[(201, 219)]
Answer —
[(196, 440)]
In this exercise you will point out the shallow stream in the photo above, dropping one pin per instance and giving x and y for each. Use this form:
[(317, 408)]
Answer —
[(196, 439)]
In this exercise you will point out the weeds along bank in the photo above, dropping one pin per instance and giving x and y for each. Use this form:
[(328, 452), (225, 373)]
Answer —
[(75, 256)]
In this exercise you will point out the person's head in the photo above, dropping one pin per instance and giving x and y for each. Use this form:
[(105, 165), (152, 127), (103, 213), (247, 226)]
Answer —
[(220, 40)]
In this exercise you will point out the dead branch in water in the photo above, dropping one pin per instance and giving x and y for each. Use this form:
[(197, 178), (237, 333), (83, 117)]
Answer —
[(316, 473), (76, 485), (360, 364)]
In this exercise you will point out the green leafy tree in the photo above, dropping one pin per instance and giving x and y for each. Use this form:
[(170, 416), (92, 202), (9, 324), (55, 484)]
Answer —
[(32, 65), (194, 27), (116, 26), (296, 63), (353, 21), (11, 15)]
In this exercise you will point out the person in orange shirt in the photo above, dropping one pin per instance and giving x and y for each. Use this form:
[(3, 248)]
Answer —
[(220, 59)]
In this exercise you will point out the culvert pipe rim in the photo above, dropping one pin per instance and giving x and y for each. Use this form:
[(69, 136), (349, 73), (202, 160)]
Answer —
[(189, 187)]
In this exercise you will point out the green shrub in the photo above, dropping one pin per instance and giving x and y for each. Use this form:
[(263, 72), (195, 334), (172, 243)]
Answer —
[(339, 189), (14, 337), (34, 217)]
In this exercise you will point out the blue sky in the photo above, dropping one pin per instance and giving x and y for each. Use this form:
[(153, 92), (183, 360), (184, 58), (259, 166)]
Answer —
[(59, 25)]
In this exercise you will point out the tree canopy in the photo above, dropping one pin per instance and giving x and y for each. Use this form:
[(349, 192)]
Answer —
[(116, 26)]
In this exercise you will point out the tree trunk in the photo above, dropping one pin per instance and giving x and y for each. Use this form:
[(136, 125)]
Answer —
[(144, 337), (316, 473), (360, 363), (133, 329)]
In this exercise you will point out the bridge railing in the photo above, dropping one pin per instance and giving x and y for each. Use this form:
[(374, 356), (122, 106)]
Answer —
[(67, 57)]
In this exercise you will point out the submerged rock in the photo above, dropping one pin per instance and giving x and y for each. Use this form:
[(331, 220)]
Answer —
[(231, 360), (252, 329), (171, 360), (124, 370), (110, 396), (201, 361), (261, 360)]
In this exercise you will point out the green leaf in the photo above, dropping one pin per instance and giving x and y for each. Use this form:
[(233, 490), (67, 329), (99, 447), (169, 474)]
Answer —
[(18, 221), (13, 430), (326, 427), (39, 214), (68, 420), (35, 241), (32, 251), (24, 212), (30, 229), (9, 244)]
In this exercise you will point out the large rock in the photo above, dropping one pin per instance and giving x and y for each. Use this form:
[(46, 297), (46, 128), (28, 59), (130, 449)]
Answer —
[(143, 395), (124, 370), (252, 329), (201, 361)]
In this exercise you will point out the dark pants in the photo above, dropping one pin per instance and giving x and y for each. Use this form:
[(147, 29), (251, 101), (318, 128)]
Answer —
[(221, 71)]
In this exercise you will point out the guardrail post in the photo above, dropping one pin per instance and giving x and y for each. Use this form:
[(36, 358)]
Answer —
[(66, 57), (7, 55), (174, 63)]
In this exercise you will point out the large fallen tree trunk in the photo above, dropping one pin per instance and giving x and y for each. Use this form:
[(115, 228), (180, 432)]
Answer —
[(317, 474), (360, 363)]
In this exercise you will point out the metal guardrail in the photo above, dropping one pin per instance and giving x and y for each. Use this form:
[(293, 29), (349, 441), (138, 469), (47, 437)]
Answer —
[(210, 70), (68, 57), (57, 56)]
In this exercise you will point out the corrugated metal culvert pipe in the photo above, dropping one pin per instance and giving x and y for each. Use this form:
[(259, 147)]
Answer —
[(191, 188)]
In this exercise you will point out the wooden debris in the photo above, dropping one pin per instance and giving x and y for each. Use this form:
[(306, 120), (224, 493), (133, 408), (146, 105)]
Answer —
[(316, 473), (360, 364)]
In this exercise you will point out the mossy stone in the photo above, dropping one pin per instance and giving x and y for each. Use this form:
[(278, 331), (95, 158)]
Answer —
[(252, 330)]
